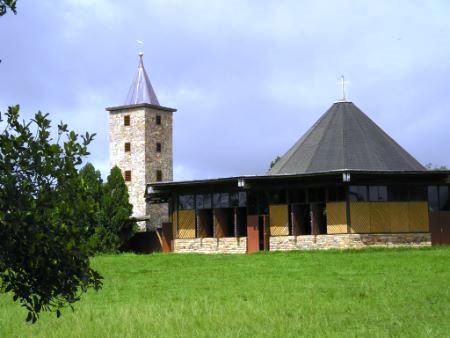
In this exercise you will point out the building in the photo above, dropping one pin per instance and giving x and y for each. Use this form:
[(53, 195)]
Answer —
[(344, 184), (140, 133)]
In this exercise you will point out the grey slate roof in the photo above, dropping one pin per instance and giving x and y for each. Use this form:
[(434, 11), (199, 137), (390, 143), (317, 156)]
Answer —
[(141, 90), (345, 138)]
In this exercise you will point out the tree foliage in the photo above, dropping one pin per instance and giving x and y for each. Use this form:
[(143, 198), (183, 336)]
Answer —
[(92, 183), (431, 166), (8, 4), (44, 215), (274, 161), (116, 226)]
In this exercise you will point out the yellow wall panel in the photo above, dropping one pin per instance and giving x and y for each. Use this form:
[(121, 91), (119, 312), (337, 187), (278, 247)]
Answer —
[(337, 229), (418, 217), (399, 216), (336, 218), (186, 224), (360, 217), (380, 217), (279, 220)]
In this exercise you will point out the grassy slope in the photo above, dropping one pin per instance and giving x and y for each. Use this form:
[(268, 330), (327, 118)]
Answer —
[(337, 293)]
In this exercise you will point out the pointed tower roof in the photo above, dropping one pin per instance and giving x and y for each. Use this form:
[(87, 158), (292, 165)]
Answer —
[(141, 90), (345, 138)]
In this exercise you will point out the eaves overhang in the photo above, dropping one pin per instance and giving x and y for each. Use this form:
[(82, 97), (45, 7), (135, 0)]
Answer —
[(140, 105)]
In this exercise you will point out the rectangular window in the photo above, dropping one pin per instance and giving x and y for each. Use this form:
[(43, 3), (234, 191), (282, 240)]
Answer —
[(158, 147), (159, 177), (336, 194), (127, 146), (277, 197), (297, 196), (316, 194), (417, 193), (398, 193), (221, 200), (433, 198), (443, 198), (126, 120), (378, 193), (186, 202), (238, 199), (203, 201), (158, 119), (127, 175), (358, 193)]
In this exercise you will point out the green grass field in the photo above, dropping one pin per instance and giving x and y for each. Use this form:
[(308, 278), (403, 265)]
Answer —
[(376, 293)]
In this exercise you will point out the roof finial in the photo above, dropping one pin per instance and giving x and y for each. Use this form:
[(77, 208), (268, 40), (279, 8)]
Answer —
[(140, 42), (343, 83), (141, 90)]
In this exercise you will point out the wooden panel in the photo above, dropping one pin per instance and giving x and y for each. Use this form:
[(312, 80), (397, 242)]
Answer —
[(418, 217), (444, 218), (360, 217), (336, 218), (252, 233), (166, 237), (399, 216), (279, 220), (380, 217), (186, 224)]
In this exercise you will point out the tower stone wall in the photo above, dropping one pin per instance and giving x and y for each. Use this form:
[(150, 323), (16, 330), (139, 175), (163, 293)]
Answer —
[(143, 160)]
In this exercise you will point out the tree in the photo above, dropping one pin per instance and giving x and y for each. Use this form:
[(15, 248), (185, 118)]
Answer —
[(274, 161), (117, 226), (7, 4), (431, 166), (92, 183), (44, 215)]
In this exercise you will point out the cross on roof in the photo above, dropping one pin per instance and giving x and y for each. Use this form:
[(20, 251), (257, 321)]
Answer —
[(342, 82)]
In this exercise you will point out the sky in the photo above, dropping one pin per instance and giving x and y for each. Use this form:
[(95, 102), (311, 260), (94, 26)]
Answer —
[(248, 78)]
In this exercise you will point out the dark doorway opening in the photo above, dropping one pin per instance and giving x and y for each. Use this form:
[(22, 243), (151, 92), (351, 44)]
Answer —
[(224, 221), (321, 219), (205, 223), (261, 232), (300, 220), (241, 222)]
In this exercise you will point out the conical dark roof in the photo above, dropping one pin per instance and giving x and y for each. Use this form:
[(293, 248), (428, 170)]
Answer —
[(345, 138), (141, 90)]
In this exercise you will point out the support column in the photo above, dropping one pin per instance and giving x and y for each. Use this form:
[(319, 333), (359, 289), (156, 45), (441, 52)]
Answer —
[(347, 209)]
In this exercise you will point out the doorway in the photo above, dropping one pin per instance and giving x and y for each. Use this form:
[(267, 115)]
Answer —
[(257, 233), (440, 227)]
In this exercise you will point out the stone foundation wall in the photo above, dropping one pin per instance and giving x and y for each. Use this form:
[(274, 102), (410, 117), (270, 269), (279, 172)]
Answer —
[(287, 243), (211, 245), (347, 241)]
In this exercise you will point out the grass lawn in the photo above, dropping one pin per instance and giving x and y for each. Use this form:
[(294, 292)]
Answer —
[(376, 293)]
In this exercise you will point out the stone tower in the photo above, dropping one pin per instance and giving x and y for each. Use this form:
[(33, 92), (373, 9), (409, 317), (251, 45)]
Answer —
[(140, 144)]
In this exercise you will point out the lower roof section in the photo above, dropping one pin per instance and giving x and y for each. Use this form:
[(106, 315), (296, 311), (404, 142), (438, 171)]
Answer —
[(291, 180)]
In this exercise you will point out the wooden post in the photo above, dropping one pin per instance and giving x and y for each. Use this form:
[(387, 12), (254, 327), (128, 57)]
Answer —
[(347, 209)]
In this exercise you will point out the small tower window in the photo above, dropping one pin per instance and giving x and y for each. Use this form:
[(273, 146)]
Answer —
[(127, 146), (158, 147), (127, 175), (126, 120), (158, 119), (158, 175)]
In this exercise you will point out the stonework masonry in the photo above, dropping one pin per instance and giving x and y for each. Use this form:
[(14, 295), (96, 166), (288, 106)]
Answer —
[(288, 243), (348, 241), (142, 160), (211, 245)]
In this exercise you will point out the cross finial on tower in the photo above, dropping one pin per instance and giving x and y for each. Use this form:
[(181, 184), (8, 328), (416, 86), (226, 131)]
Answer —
[(342, 82)]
